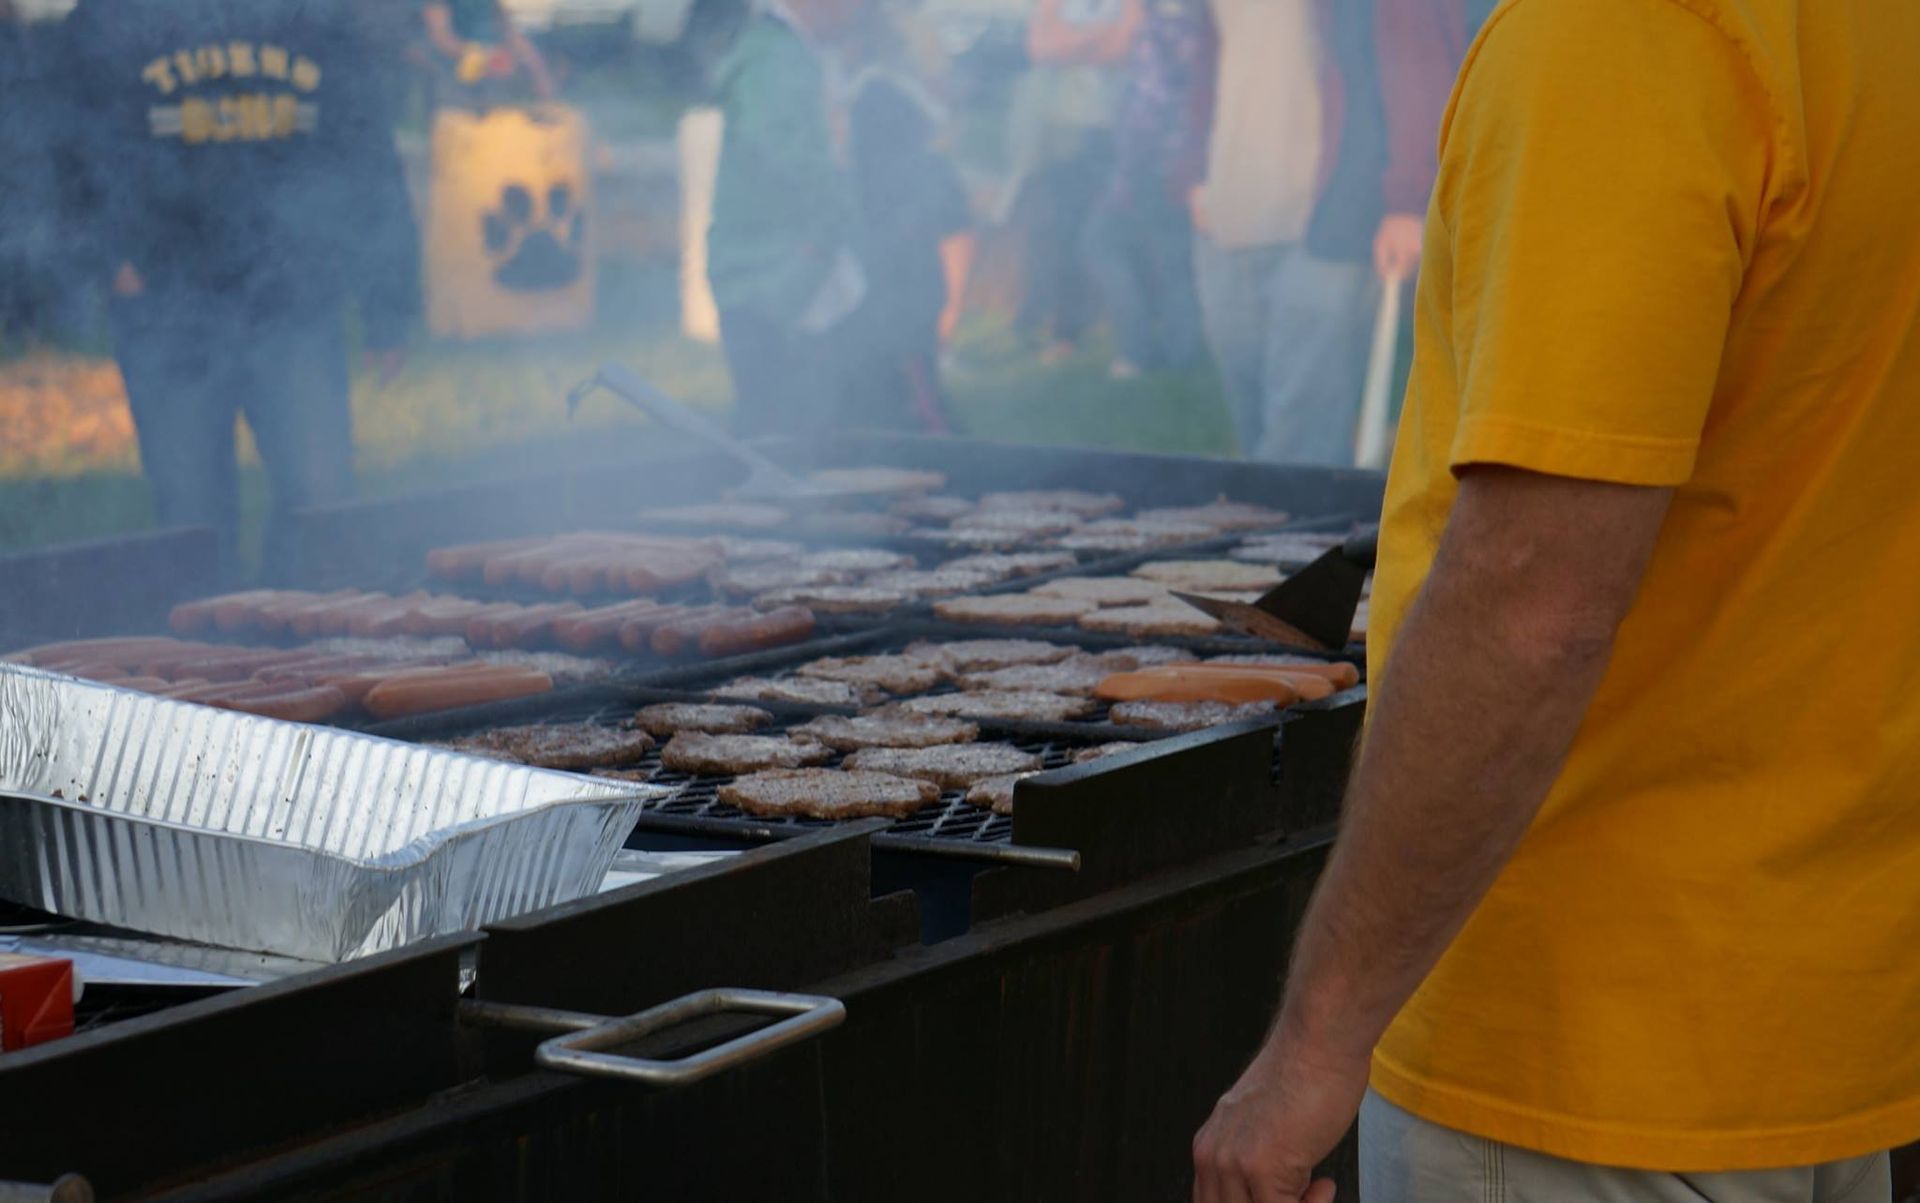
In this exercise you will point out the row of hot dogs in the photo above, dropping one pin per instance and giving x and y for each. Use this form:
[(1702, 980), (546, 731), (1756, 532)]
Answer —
[(298, 684)]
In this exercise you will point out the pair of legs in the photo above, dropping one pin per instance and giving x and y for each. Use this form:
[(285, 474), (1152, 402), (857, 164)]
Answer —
[(1138, 249), (192, 367), (785, 382), (1289, 333), (1405, 1159)]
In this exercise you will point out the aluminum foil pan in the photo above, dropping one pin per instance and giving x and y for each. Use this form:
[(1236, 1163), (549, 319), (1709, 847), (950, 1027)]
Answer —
[(308, 842)]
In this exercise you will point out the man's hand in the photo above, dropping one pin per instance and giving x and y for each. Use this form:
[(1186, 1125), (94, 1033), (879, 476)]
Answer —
[(1285, 1114), (385, 365), (1490, 677), (1396, 247)]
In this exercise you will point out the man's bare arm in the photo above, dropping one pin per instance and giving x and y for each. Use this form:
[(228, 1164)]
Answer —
[(1491, 676)]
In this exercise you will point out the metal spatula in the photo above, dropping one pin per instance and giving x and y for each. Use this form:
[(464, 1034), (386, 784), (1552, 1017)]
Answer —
[(766, 480), (1313, 608)]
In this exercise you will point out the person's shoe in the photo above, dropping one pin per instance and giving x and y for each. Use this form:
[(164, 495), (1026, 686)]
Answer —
[(1123, 370)]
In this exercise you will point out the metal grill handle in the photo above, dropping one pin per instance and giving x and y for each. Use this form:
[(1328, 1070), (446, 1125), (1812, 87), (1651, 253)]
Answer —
[(581, 1050)]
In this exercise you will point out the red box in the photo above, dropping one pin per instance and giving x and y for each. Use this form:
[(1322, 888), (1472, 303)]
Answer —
[(36, 1000)]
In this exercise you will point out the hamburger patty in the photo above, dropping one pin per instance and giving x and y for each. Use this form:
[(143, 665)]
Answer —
[(1006, 565), (1161, 619), (828, 794), (1075, 675), (806, 691), (1187, 716), (860, 561), (895, 674), (850, 734), (1221, 514), (1012, 609), (1102, 751), (1023, 705), (730, 755), (995, 793), (558, 745), (667, 718), (1207, 576), (1078, 502), (974, 655), (937, 582), (834, 599), (1103, 590), (949, 766)]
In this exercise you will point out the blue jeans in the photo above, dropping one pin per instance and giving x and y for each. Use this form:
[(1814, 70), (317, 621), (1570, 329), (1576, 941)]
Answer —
[(192, 368), (1289, 333)]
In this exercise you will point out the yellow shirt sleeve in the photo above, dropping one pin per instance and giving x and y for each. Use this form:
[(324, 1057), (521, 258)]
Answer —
[(1598, 223)]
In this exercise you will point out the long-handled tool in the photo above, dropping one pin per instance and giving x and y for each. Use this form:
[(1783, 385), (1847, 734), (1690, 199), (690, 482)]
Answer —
[(1312, 609), (766, 480), (1375, 438)]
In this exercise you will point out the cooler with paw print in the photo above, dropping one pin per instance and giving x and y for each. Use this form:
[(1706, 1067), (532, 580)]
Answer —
[(509, 222)]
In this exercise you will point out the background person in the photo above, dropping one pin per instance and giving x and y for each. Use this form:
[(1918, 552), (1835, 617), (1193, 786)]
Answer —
[(1138, 244), (1589, 932), (1263, 163), (479, 54), (243, 165), (781, 253), (1061, 151), (911, 200)]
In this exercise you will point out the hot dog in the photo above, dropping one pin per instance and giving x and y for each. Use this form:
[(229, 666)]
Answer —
[(301, 705), (370, 622), (682, 635), (119, 647), (237, 611), (1217, 683), (636, 634), (750, 633), (420, 693), (1342, 674), (468, 560), (594, 629), (518, 627), (452, 615)]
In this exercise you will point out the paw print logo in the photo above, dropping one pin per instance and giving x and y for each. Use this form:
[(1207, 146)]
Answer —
[(534, 251)]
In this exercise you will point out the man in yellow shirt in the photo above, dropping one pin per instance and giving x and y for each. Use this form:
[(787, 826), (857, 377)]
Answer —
[(1627, 902)]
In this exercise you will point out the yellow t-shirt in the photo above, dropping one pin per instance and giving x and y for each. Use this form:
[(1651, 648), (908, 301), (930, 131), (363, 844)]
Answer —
[(1677, 242)]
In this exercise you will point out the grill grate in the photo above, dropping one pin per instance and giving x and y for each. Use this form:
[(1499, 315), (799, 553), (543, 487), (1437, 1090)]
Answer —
[(952, 820)]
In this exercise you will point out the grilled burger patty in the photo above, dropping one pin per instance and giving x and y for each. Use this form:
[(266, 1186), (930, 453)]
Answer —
[(558, 745), (1012, 609), (810, 691), (975, 655), (995, 793), (886, 731), (1074, 675), (667, 718), (1208, 576), (1186, 716), (828, 794), (731, 755), (1070, 501), (1103, 590), (1150, 621), (951, 766), (1023, 705), (895, 674)]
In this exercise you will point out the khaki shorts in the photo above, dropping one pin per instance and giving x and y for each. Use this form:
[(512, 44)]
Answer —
[(1405, 1159)]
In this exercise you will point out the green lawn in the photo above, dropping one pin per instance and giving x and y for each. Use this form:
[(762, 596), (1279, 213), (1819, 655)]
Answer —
[(470, 412)]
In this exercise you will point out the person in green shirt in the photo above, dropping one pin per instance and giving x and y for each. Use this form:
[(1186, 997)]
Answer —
[(779, 252)]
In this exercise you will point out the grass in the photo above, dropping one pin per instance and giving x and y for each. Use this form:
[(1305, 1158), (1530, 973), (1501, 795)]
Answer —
[(464, 413)]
